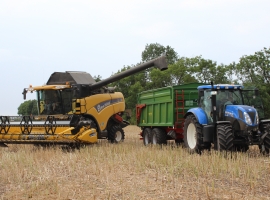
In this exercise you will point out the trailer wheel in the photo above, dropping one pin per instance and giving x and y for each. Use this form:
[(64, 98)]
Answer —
[(265, 129), (116, 134), (192, 134), (158, 136), (225, 137), (147, 136)]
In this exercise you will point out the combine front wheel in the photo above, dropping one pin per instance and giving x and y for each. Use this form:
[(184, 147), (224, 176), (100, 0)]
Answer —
[(116, 134)]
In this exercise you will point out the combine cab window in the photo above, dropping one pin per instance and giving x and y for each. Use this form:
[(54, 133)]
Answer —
[(53, 102)]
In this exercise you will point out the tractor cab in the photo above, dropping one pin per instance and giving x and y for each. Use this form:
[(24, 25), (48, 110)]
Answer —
[(226, 103)]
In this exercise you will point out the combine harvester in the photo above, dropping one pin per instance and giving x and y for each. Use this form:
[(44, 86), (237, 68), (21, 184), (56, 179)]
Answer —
[(201, 116), (73, 110)]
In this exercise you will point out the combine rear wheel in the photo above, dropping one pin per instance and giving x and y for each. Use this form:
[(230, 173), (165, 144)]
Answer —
[(158, 136), (116, 134), (192, 134), (147, 136), (224, 137)]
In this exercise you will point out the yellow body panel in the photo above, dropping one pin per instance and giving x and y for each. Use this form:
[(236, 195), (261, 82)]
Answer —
[(89, 136), (61, 134), (102, 106)]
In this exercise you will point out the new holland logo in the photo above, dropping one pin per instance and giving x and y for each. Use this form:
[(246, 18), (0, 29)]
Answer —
[(99, 107)]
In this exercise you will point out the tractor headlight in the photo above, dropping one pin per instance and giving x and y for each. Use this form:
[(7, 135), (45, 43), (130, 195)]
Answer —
[(247, 118), (257, 118)]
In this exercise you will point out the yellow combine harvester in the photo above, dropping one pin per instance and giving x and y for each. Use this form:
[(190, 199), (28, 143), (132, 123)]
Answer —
[(73, 109)]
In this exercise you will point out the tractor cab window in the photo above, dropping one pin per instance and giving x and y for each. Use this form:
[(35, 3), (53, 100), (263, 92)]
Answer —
[(206, 103), (225, 98), (229, 97), (53, 102)]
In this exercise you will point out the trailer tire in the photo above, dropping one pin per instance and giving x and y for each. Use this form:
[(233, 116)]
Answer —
[(116, 134), (192, 134), (225, 137), (158, 136), (147, 136), (265, 129)]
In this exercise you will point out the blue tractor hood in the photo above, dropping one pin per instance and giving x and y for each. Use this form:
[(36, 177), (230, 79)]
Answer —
[(246, 114)]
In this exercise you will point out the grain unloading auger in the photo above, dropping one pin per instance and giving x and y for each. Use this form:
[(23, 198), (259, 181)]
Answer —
[(73, 109)]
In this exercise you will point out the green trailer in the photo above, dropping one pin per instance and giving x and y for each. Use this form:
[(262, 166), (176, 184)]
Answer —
[(162, 111)]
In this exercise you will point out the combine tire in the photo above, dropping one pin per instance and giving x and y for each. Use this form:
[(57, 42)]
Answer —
[(116, 134), (225, 137), (158, 136), (192, 134), (147, 136), (265, 129)]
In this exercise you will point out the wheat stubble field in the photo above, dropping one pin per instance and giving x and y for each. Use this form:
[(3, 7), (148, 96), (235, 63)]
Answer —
[(131, 171)]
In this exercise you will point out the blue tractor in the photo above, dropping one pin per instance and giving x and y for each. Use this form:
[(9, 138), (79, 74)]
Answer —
[(226, 119)]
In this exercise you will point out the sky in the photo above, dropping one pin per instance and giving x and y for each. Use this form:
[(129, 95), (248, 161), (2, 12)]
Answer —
[(40, 37)]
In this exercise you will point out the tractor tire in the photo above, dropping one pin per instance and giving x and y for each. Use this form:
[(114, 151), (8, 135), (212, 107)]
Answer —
[(265, 129), (116, 134), (158, 136), (192, 135), (225, 137), (147, 136)]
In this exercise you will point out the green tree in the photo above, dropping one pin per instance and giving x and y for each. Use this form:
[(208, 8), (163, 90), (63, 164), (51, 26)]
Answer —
[(206, 71), (154, 50), (180, 72), (97, 78), (28, 107), (255, 70)]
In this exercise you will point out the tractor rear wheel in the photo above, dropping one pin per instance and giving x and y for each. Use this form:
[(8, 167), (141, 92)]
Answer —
[(265, 129), (192, 134), (225, 137), (147, 136), (158, 136), (116, 134)]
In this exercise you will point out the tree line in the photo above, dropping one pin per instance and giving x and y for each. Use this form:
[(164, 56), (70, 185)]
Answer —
[(250, 70)]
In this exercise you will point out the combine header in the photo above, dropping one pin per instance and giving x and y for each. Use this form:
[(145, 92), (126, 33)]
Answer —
[(73, 109)]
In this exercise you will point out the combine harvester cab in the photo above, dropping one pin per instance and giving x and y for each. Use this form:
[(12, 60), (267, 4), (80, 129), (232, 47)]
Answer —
[(73, 109), (219, 116)]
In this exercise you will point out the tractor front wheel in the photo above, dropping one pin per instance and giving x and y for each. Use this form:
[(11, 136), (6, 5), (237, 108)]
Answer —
[(225, 137)]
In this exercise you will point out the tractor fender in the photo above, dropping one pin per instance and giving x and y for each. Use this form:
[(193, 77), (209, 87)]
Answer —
[(199, 114)]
